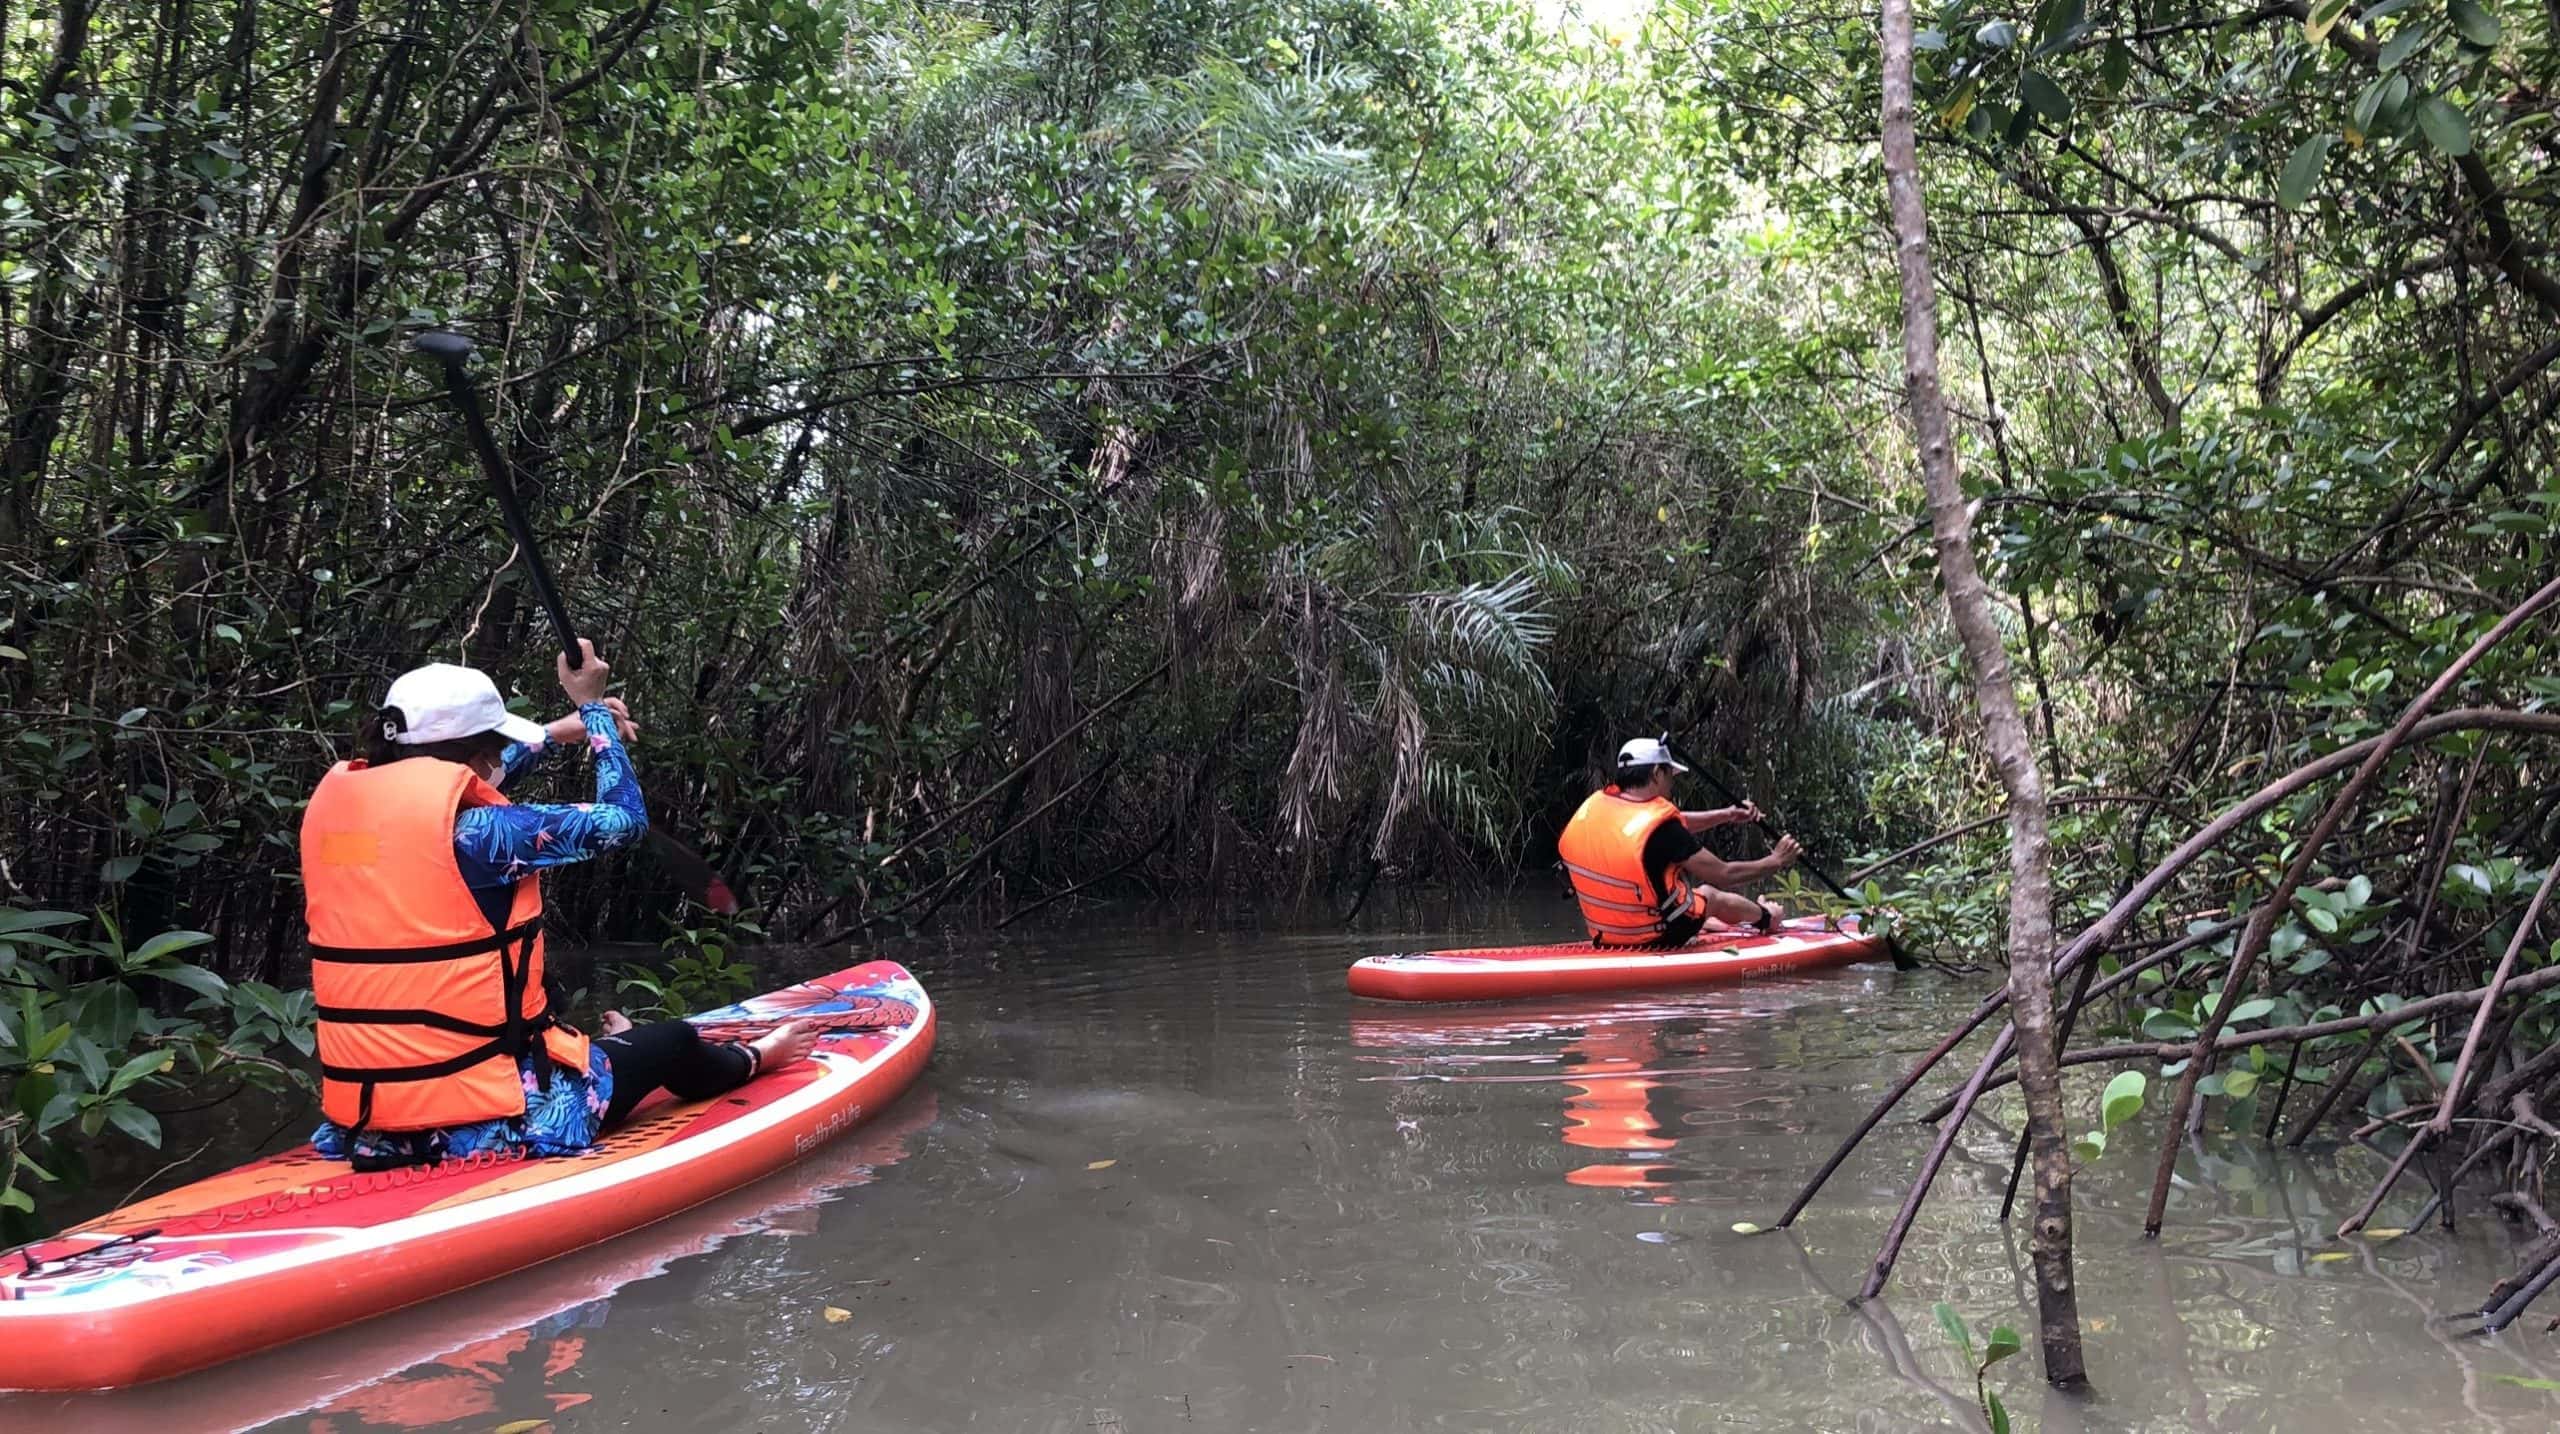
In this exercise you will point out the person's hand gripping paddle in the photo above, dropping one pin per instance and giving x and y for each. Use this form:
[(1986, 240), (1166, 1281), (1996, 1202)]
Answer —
[(1902, 960), (451, 352)]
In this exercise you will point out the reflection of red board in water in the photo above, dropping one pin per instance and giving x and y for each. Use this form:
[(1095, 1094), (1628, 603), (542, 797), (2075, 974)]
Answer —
[(292, 1245), (1495, 973), (485, 1353), (1607, 1056)]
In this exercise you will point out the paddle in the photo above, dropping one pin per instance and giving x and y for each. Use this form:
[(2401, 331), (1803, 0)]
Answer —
[(451, 351), (1902, 960)]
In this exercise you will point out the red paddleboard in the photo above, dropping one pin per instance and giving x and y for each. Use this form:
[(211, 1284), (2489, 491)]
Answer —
[(507, 1345), (1496, 973), (292, 1245)]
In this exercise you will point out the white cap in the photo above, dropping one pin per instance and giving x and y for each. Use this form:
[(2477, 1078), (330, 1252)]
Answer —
[(1649, 752), (441, 702)]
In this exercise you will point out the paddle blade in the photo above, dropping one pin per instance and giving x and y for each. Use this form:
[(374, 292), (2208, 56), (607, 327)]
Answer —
[(449, 349), (699, 878)]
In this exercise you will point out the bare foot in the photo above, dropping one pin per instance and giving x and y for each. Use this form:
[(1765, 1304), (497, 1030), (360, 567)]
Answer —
[(784, 1045), (614, 1023)]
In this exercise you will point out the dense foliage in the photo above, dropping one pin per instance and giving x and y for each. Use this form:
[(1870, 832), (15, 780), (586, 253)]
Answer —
[(1260, 446), (1101, 449)]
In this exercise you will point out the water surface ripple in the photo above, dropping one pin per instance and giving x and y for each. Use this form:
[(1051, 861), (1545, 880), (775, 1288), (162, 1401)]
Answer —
[(1327, 1214)]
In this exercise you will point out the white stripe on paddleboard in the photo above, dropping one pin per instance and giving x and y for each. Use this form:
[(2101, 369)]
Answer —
[(1428, 962)]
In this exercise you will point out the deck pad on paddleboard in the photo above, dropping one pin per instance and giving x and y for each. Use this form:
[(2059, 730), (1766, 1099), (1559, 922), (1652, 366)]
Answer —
[(1496, 973), (295, 1244)]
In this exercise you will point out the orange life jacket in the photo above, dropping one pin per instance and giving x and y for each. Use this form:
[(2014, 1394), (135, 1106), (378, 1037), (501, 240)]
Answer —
[(1603, 851), (424, 1009)]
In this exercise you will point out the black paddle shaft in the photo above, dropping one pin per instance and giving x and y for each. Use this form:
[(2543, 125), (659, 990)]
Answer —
[(1771, 832), (1902, 960), (451, 352)]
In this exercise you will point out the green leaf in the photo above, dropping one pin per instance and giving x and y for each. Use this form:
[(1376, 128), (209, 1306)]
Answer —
[(2089, 1147), (1998, 1411), (1958, 107), (19, 1200), (2318, 959), (2044, 96), (1953, 1324), (194, 978), (2359, 891), (58, 1111), (46, 1044), (2116, 67), (2322, 920), (2302, 171), (2058, 24), (2238, 1084), (2403, 43), (2520, 1381), (168, 943), (133, 1120), (2444, 127), (2002, 1344), (13, 919), (1999, 35), (2250, 1010), (2123, 1100), (2322, 16), (149, 1063), (2474, 22), (2167, 1025)]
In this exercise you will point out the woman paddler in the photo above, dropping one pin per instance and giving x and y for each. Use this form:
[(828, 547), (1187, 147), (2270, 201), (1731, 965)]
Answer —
[(423, 891)]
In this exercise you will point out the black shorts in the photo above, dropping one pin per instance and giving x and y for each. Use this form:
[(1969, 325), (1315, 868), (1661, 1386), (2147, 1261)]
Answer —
[(1681, 930)]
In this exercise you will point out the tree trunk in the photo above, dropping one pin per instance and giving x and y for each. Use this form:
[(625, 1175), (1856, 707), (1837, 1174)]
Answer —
[(2004, 730)]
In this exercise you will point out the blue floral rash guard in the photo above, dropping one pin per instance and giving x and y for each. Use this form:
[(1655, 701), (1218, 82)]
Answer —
[(496, 847)]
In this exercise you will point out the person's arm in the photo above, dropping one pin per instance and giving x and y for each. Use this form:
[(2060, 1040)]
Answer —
[(1715, 817), (498, 845), (562, 734), (1719, 877), (1714, 870)]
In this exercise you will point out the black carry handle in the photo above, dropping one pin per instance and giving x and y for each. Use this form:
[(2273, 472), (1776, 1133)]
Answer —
[(1902, 959), (452, 351)]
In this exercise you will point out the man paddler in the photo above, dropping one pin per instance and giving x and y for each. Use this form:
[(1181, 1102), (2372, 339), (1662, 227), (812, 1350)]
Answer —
[(1638, 869)]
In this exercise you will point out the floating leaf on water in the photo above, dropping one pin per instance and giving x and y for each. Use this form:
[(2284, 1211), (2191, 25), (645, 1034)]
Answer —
[(521, 1426), (2387, 1232), (1745, 1227), (2520, 1382), (2330, 1257), (1100, 1164), (835, 1314)]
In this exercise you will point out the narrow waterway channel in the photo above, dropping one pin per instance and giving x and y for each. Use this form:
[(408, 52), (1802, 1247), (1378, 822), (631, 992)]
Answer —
[(1169, 1178)]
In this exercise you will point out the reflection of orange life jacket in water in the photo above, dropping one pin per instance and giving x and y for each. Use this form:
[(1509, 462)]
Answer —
[(424, 1009), (1613, 1110), (1603, 851)]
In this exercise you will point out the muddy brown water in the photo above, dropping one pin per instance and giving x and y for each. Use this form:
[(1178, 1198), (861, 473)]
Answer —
[(1162, 1177)]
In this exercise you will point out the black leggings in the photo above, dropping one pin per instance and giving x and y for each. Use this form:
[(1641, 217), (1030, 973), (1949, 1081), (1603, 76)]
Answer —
[(672, 1054)]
